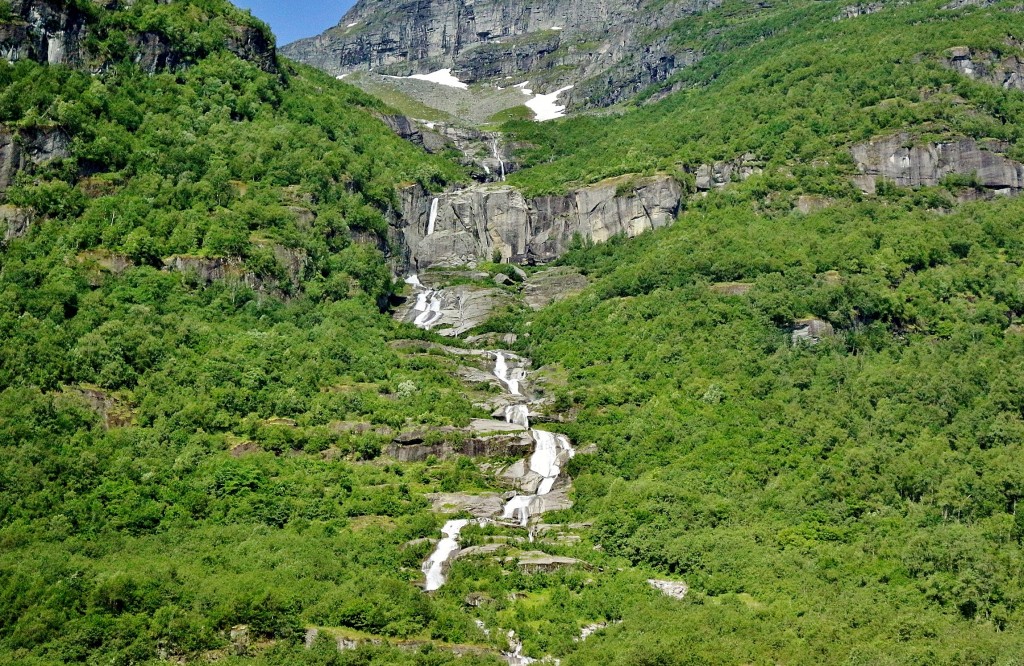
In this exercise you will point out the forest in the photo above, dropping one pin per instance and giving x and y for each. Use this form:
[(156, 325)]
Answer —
[(199, 370)]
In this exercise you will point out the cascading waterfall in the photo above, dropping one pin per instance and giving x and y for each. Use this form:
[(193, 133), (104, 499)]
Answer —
[(518, 415), (432, 220), (428, 303), (434, 567), (550, 452), (510, 378), (497, 155)]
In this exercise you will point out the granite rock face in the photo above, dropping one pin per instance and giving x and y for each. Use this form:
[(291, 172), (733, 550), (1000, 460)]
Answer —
[(485, 222), (611, 48), (485, 153), (899, 160)]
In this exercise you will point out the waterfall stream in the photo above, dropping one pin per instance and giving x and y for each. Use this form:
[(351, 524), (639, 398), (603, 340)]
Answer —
[(497, 155), (551, 451), (427, 309), (433, 216), (434, 568)]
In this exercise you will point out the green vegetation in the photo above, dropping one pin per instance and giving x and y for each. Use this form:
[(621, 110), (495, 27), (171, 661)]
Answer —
[(198, 374), (791, 86)]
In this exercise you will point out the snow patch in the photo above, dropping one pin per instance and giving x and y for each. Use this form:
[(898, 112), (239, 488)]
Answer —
[(546, 107), (355, 23), (443, 77)]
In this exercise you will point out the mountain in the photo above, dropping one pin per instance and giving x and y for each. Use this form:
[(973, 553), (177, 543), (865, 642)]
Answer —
[(608, 50), (721, 365)]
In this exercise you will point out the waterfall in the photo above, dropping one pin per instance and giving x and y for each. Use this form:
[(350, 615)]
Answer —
[(518, 414), (428, 303), (433, 216), (497, 156), (434, 567), (502, 373)]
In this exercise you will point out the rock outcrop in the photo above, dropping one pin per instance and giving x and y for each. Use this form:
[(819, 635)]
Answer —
[(488, 222), (552, 285), (1004, 72), (232, 269), (15, 222), (899, 160), (484, 152), (28, 149), (602, 42), (718, 175)]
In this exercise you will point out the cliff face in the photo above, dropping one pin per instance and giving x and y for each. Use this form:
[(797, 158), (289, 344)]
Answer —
[(609, 48), (899, 160), (480, 222)]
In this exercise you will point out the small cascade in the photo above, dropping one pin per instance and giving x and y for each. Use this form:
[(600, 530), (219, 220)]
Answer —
[(515, 656), (434, 567), (509, 377), (518, 414), (428, 303), (497, 155), (433, 216)]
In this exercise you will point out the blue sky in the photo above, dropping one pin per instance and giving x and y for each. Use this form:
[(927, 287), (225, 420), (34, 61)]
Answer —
[(294, 19)]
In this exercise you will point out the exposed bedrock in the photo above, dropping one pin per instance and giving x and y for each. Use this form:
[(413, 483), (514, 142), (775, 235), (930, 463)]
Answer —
[(898, 159), (617, 46), (485, 222)]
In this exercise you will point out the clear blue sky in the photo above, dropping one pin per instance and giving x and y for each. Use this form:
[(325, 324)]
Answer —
[(294, 19)]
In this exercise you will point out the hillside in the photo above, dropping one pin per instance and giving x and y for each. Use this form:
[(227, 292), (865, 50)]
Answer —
[(726, 373)]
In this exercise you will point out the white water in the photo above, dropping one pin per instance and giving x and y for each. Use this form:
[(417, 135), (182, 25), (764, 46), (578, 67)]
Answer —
[(515, 657), (518, 414), (433, 216), (501, 372), (497, 156), (546, 107), (434, 567), (428, 303)]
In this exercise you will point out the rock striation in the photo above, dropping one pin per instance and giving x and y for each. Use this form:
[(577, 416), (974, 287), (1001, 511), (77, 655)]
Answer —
[(618, 47), (899, 160), (487, 222)]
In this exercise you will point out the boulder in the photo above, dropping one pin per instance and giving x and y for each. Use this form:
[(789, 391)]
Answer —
[(811, 331), (670, 588)]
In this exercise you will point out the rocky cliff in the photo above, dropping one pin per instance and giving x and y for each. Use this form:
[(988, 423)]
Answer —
[(902, 161), (490, 221), (607, 48)]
